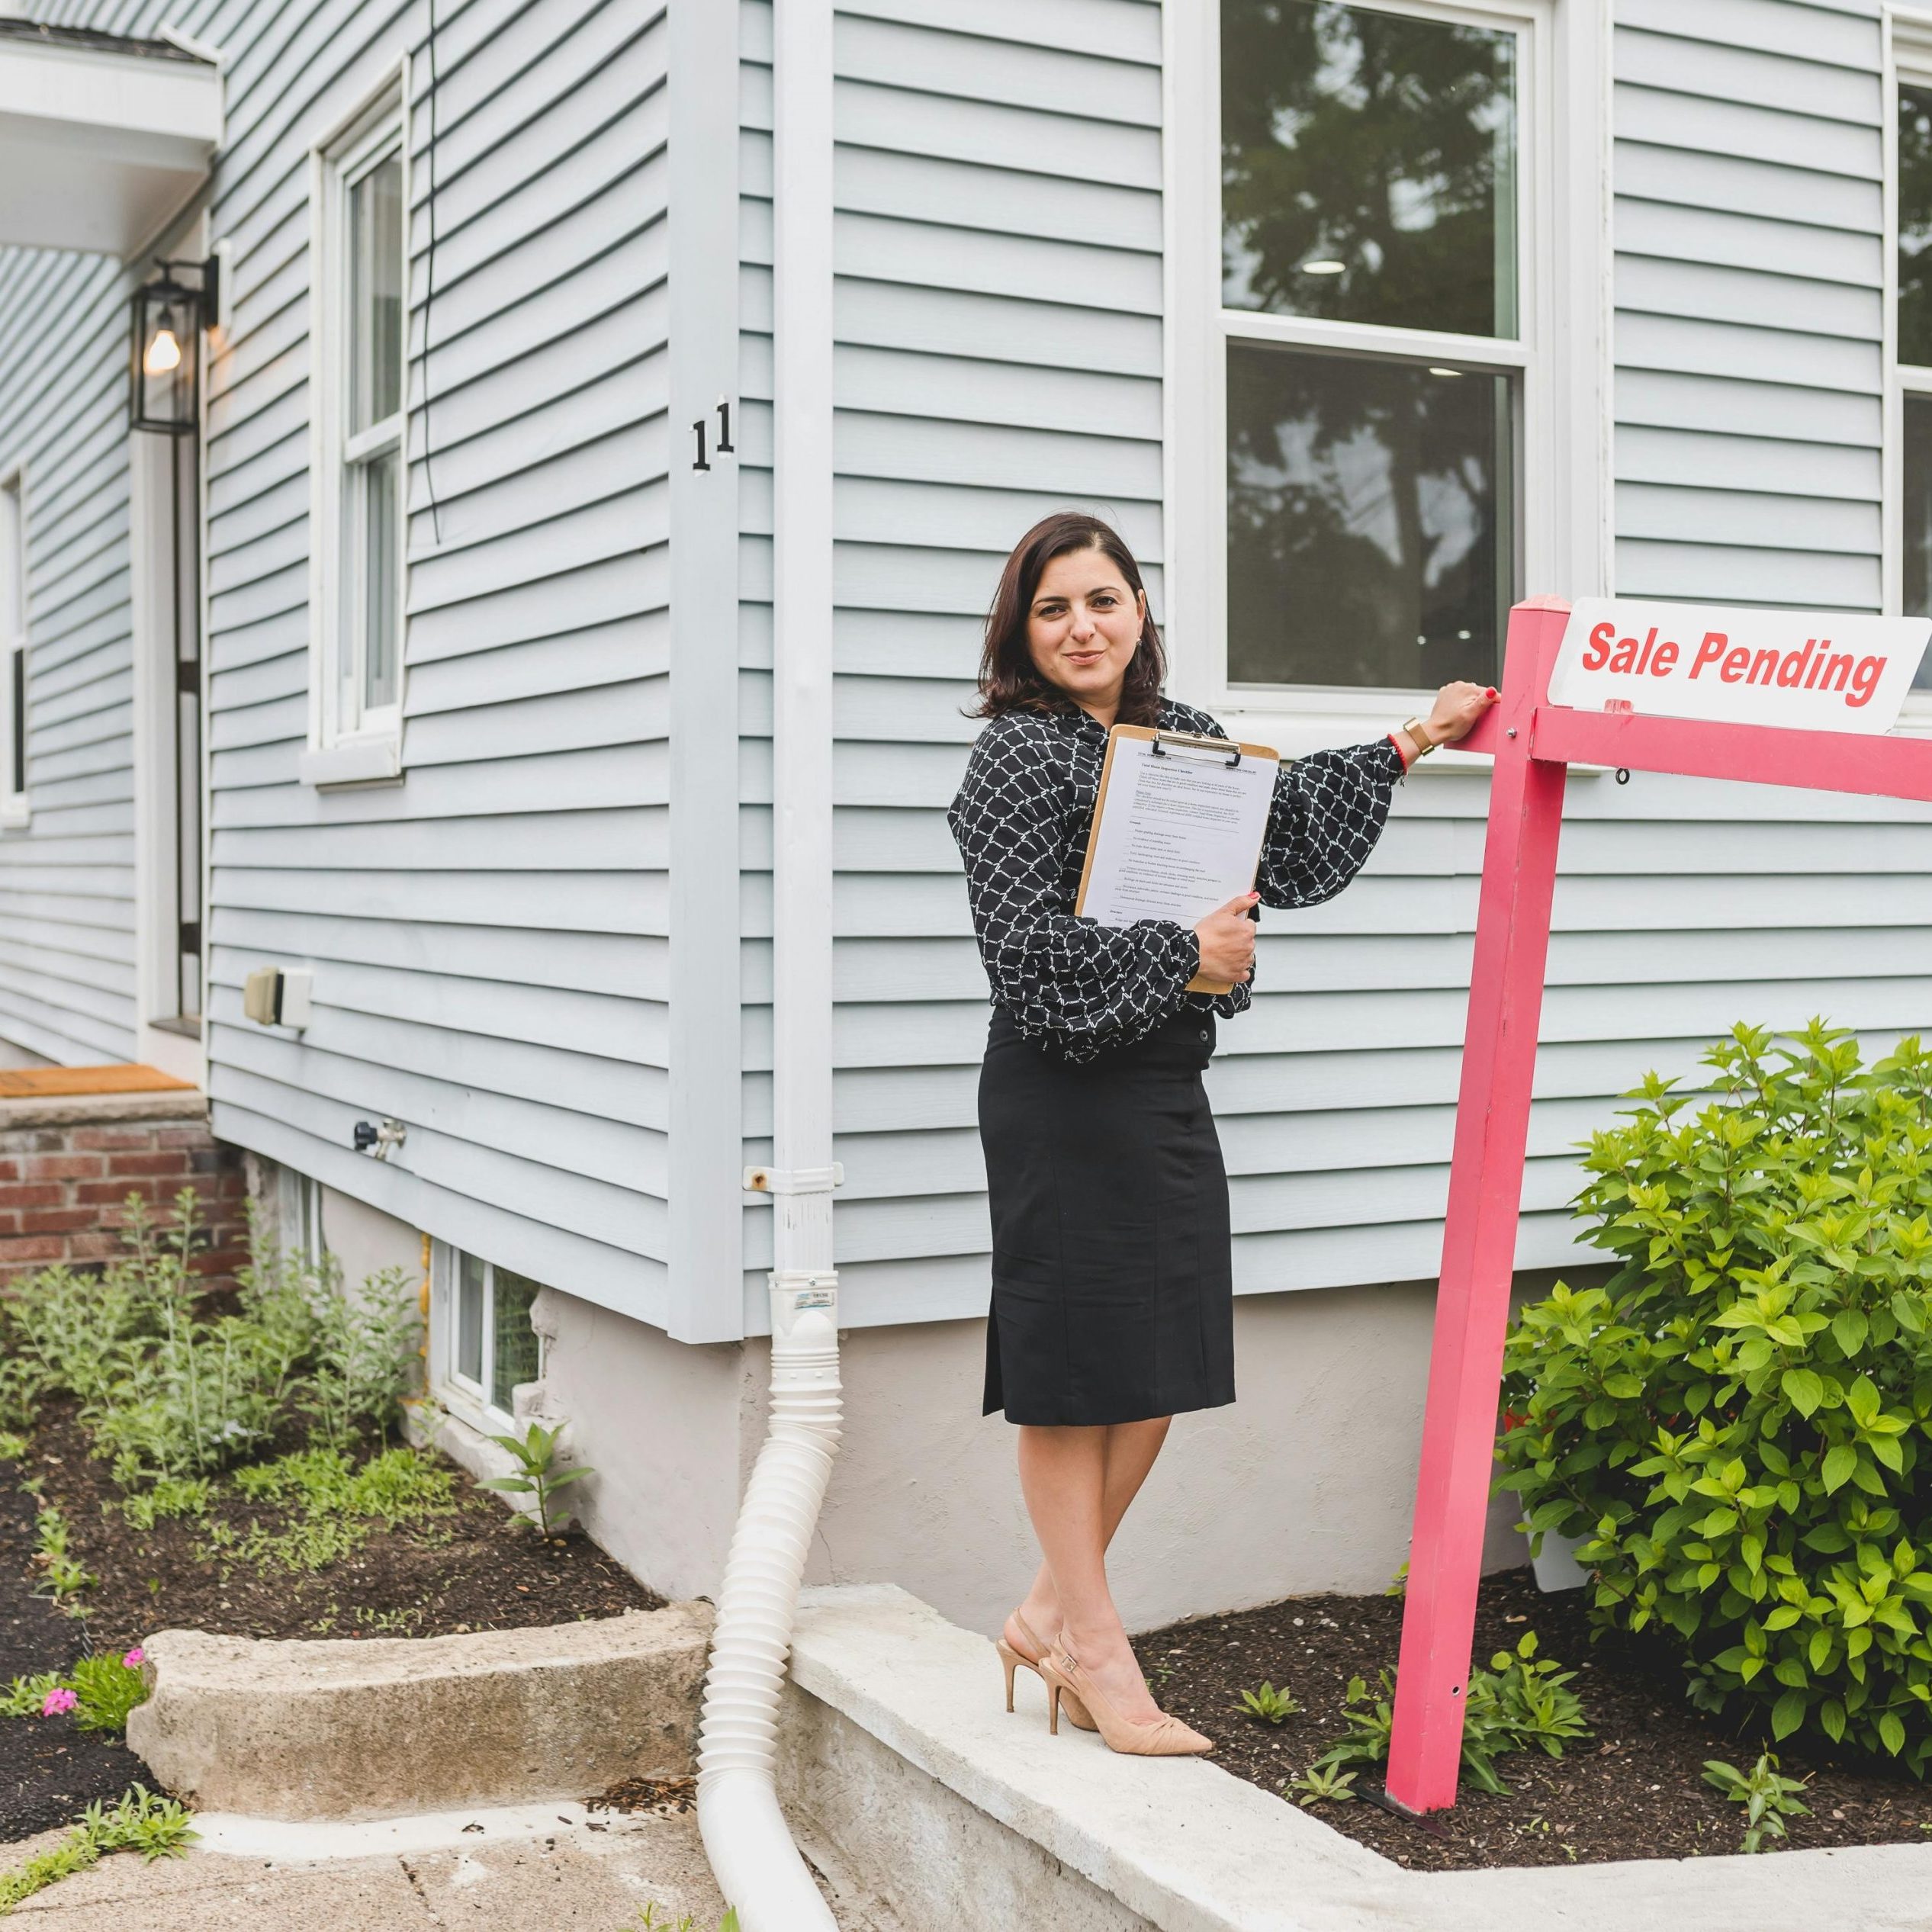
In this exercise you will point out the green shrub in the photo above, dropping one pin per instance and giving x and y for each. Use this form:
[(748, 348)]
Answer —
[(174, 1384), (1733, 1422)]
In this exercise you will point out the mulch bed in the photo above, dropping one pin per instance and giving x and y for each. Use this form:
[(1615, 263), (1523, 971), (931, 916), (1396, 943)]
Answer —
[(49, 1771), (482, 1568), (1634, 1790)]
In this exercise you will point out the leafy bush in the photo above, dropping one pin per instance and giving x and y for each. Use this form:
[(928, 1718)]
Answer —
[(1518, 1704), (1733, 1422), (171, 1384)]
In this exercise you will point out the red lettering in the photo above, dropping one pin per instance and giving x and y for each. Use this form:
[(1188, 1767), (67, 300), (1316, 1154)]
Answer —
[(1644, 656), (1842, 665), (1791, 672), (1713, 644), (1626, 658), (1865, 681), (1817, 665), (1666, 656), (1764, 668), (1732, 669), (1598, 654)]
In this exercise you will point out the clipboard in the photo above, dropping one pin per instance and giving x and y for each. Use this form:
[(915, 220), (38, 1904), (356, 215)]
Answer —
[(1179, 744)]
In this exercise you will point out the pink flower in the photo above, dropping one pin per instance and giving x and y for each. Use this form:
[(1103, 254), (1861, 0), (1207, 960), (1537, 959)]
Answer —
[(134, 1658), (57, 1702)]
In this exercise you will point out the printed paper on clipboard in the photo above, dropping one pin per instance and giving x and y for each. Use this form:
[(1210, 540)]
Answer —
[(1178, 829)]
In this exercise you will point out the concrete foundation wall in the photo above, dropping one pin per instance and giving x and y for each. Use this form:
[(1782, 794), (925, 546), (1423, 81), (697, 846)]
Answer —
[(1304, 1484)]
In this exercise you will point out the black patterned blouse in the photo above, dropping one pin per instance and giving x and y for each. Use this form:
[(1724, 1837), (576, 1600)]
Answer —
[(1021, 820)]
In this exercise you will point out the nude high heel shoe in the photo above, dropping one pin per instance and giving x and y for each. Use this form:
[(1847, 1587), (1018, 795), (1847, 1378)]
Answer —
[(1165, 1736), (1015, 1659)]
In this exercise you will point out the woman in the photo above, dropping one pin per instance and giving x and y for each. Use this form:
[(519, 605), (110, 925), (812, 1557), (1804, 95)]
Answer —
[(1112, 1302)]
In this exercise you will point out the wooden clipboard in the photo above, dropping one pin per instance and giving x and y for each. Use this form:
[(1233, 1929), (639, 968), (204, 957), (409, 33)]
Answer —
[(1231, 749)]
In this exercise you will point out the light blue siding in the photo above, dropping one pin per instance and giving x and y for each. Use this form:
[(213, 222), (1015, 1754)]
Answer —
[(66, 879), (488, 938)]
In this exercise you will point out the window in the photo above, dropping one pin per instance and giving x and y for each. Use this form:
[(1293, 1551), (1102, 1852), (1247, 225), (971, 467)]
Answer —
[(361, 279), (1367, 374), (1912, 138), (13, 652), (489, 1344)]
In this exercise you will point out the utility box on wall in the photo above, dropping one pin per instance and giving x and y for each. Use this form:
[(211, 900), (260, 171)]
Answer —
[(277, 996)]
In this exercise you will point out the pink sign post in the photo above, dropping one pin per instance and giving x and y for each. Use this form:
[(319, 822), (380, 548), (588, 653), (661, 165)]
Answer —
[(1754, 684)]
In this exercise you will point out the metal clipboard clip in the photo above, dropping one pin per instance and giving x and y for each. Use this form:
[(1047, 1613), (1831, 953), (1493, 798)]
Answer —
[(1184, 743)]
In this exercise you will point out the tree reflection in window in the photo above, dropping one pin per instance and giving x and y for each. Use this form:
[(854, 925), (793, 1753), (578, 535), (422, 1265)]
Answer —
[(1915, 226), (1368, 166), (1368, 520)]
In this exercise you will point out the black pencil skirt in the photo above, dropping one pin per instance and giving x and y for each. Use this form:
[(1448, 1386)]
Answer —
[(1112, 1293)]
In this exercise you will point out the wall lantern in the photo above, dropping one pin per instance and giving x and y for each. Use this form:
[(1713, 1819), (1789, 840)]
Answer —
[(164, 358)]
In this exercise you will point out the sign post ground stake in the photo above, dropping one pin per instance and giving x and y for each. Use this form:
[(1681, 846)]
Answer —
[(1534, 743)]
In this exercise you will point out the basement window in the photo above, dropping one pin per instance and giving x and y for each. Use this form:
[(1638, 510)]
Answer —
[(487, 1346)]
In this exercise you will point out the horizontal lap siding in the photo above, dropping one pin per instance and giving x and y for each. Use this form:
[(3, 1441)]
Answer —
[(1750, 322), (66, 879), (488, 938), (986, 372), (975, 389)]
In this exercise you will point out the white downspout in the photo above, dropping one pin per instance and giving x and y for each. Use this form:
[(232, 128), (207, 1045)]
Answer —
[(758, 1868)]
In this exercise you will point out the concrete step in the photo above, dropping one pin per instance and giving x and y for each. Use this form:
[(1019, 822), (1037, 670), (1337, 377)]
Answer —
[(381, 1727), (908, 1782)]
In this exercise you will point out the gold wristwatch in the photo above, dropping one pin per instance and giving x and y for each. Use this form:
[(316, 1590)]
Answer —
[(1417, 734)]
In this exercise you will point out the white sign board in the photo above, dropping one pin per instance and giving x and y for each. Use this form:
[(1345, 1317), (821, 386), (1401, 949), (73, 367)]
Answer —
[(1810, 671)]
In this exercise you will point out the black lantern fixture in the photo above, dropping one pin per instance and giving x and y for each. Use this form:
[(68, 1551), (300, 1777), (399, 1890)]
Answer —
[(164, 356)]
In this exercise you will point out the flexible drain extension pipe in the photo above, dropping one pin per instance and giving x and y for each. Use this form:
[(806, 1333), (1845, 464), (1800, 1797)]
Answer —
[(757, 1867)]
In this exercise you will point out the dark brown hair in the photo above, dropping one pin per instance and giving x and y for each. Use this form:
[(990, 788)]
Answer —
[(1009, 679)]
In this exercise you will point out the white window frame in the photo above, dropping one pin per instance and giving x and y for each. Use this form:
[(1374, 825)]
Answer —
[(15, 810), (462, 1397), (1909, 58), (350, 743), (1560, 356)]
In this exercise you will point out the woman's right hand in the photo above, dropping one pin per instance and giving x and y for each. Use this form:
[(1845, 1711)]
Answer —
[(1227, 942)]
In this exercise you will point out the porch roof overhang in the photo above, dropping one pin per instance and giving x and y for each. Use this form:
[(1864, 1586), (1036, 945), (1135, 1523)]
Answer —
[(102, 137)]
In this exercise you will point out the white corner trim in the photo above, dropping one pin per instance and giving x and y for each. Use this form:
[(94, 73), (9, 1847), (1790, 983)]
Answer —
[(15, 814), (354, 761)]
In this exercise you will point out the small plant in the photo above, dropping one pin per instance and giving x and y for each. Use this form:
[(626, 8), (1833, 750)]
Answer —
[(1518, 1703), (139, 1820), (168, 1496), (13, 1447), (1768, 1797), (1322, 1785), (62, 1575), (98, 1692), (27, 1697), (339, 1507), (1269, 1704), (541, 1475), (648, 1920), (106, 1688)]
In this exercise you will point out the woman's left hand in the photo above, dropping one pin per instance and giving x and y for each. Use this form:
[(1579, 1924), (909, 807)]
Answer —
[(1457, 709)]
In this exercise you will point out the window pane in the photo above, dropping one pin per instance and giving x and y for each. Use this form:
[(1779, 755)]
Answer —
[(1918, 520), (375, 294), (515, 1357), (1368, 166), (380, 540), (469, 1318), (1369, 521), (1915, 225)]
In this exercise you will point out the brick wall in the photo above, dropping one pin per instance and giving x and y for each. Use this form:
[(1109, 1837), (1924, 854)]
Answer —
[(68, 1167)]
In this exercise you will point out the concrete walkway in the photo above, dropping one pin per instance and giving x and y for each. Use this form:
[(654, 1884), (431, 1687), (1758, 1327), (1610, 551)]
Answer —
[(538, 1869)]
